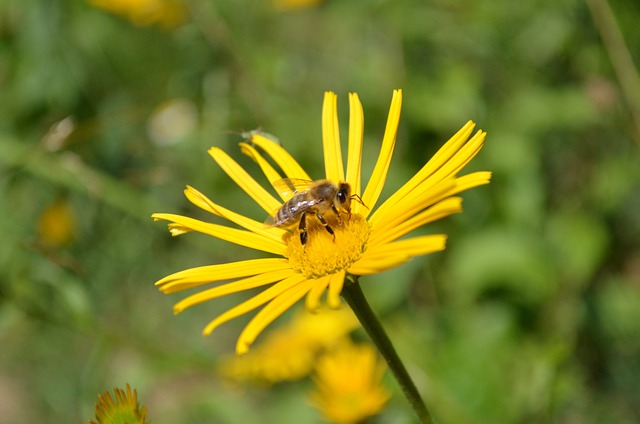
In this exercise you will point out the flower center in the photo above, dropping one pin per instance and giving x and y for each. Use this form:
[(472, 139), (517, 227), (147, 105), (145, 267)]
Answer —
[(322, 254)]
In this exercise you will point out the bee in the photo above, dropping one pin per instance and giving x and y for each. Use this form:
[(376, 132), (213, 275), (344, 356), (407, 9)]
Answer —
[(312, 198)]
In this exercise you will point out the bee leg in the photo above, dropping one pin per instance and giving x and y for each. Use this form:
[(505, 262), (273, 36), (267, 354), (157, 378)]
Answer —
[(303, 229), (335, 210), (326, 225)]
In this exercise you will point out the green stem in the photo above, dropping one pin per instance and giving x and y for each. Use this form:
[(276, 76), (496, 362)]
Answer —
[(354, 296), (619, 55)]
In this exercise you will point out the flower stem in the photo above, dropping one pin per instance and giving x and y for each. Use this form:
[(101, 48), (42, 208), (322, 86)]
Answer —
[(352, 293)]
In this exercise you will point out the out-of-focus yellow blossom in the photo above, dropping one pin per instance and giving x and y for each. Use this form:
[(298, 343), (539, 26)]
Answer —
[(349, 384), (56, 225), (124, 410), (172, 122), (291, 5), (289, 353), (166, 13)]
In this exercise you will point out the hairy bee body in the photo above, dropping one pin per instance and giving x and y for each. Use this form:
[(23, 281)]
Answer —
[(318, 198), (311, 198)]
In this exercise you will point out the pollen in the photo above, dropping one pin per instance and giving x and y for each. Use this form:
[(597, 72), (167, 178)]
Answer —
[(323, 254)]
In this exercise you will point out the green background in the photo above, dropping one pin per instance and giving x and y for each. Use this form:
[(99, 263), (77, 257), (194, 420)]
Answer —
[(531, 315)]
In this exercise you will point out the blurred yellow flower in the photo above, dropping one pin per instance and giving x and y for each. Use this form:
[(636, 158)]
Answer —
[(124, 410), (56, 225), (349, 384), (290, 352), (172, 122), (166, 13), (291, 5), (367, 242)]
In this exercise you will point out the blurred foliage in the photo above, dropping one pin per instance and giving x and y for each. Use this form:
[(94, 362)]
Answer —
[(532, 314)]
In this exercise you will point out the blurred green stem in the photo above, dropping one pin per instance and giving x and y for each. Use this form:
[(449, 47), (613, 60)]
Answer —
[(619, 55), (354, 296)]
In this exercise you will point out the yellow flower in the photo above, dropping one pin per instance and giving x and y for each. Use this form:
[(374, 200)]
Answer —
[(291, 5), (56, 225), (290, 352), (366, 242), (124, 409), (166, 13), (349, 382)]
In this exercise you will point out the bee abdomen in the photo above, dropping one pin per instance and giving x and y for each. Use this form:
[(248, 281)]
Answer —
[(289, 212)]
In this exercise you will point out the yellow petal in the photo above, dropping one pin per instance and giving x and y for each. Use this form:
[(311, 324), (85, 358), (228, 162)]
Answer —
[(443, 155), (420, 198), (335, 288), (245, 181), (354, 154), (281, 157), (462, 157), (312, 303), (233, 235), (474, 179), (375, 264), (269, 313), (449, 149), (389, 255), (177, 229), (257, 300), (233, 287), (331, 138), (414, 246), (427, 193), (271, 174), (442, 209), (205, 203), (194, 277), (379, 175)]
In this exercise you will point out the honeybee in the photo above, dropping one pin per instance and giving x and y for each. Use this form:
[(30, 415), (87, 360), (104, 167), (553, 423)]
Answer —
[(311, 198)]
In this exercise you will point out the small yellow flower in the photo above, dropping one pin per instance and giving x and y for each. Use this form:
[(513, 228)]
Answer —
[(290, 352), (166, 13), (124, 409), (56, 225), (291, 5), (349, 383), (368, 242)]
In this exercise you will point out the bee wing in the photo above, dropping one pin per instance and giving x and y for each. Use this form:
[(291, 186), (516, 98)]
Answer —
[(294, 211), (287, 187), (302, 206)]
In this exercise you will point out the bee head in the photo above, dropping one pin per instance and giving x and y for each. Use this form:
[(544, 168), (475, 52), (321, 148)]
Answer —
[(344, 195)]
